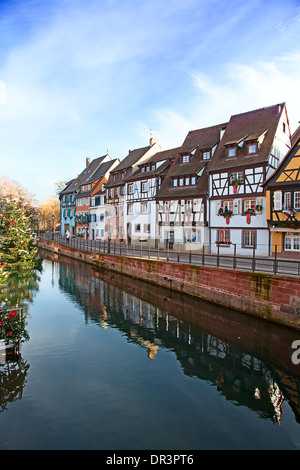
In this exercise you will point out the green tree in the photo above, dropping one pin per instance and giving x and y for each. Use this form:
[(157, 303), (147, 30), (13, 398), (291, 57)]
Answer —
[(18, 245)]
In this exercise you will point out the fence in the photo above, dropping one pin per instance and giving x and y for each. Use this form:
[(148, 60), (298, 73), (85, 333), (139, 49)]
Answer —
[(289, 267)]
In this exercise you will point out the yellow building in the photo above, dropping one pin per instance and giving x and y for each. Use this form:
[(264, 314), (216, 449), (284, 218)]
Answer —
[(283, 205)]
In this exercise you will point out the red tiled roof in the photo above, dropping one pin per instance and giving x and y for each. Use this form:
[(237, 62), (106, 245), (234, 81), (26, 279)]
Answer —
[(247, 126)]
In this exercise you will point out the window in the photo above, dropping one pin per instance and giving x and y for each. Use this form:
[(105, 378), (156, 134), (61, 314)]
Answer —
[(291, 242), (287, 200), (144, 186), (249, 204), (137, 227), (153, 166), (249, 239), (192, 236), (231, 152), (206, 155), (251, 148), (147, 228), (236, 177), (187, 181), (223, 236), (130, 189), (116, 192), (227, 205), (130, 209), (297, 200), (185, 158), (144, 208)]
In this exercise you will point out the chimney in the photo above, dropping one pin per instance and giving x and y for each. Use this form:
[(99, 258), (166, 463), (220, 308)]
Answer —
[(152, 141), (87, 161)]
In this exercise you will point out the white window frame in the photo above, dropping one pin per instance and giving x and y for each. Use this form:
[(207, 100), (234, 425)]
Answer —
[(297, 200), (293, 238)]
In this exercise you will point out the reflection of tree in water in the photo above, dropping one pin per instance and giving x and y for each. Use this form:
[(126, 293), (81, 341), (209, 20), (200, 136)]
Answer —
[(12, 379), (19, 289), (15, 296)]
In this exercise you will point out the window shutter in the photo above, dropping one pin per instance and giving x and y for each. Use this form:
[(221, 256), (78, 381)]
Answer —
[(237, 204), (278, 201), (217, 206)]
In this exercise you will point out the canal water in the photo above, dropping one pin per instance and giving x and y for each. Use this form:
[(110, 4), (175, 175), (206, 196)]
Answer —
[(115, 363)]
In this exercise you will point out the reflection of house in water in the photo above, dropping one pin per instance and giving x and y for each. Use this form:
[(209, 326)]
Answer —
[(150, 316)]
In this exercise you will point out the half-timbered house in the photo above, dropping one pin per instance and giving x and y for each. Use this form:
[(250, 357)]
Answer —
[(182, 199), (68, 195), (86, 192), (141, 187), (115, 189), (252, 146), (283, 205)]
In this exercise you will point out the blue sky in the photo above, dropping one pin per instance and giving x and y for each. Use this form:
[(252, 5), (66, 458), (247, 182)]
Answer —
[(78, 77)]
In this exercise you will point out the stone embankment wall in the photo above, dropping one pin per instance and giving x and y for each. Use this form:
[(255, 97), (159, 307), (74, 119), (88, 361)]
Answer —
[(274, 298)]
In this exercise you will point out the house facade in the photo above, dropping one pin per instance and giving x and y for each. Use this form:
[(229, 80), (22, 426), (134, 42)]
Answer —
[(97, 221), (283, 205), (141, 188), (68, 196), (252, 146), (67, 208), (86, 194), (182, 199), (115, 189)]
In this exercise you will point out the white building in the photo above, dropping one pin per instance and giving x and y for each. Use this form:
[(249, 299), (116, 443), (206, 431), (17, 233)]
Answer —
[(140, 208), (252, 146), (97, 216)]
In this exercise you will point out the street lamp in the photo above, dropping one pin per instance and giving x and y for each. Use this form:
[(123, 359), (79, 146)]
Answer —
[(53, 226)]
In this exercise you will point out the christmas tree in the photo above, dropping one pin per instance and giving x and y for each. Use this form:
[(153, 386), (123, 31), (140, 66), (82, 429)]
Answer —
[(18, 248)]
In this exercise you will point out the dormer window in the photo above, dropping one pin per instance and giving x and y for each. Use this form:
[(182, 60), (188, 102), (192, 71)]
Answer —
[(231, 152), (251, 148), (186, 158), (206, 154), (187, 181)]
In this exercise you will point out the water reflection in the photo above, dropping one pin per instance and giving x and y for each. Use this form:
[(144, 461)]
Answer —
[(15, 297), (247, 360)]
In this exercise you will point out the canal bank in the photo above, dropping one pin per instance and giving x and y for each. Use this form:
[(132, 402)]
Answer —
[(271, 297)]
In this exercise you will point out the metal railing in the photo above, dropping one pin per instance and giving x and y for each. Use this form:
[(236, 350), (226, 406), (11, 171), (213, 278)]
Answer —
[(253, 262)]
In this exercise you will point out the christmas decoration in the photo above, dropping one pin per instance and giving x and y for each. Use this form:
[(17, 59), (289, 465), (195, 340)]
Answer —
[(226, 213), (18, 248)]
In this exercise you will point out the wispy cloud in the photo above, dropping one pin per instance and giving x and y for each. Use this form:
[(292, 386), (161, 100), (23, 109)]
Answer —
[(79, 77)]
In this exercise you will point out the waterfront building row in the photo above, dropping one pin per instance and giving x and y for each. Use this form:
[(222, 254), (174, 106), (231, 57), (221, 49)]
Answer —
[(212, 191)]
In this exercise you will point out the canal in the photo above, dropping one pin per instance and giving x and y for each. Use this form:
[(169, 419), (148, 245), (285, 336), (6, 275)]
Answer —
[(115, 363)]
